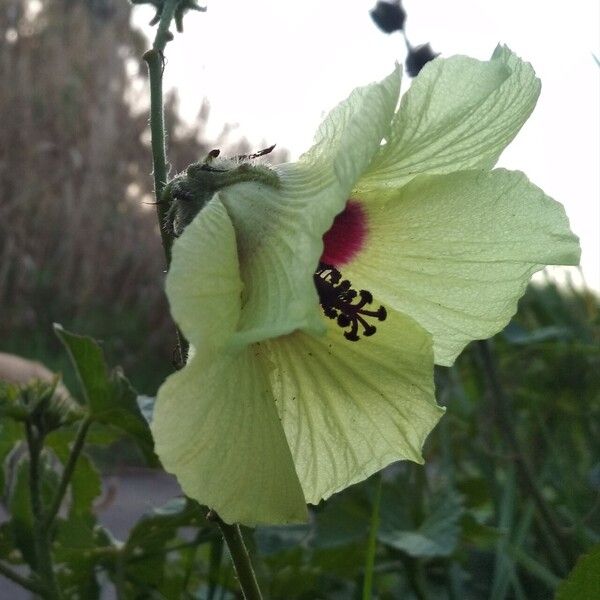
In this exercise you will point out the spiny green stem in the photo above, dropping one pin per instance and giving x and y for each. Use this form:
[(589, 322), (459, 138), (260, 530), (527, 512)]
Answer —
[(44, 563), (24, 582), (241, 558), (155, 60), (68, 470), (524, 467)]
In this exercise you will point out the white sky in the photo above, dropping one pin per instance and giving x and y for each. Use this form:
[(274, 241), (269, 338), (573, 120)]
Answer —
[(275, 67)]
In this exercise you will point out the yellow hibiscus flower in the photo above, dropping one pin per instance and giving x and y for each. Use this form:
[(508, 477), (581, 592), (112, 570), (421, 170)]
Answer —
[(317, 300)]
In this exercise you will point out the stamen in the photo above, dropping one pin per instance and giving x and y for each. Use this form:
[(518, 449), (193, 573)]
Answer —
[(336, 297)]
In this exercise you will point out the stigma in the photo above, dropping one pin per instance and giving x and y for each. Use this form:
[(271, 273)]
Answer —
[(349, 308)]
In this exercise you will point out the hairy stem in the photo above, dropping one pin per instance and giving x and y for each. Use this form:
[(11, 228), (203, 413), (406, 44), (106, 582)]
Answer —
[(41, 534), (68, 470), (155, 61), (241, 558)]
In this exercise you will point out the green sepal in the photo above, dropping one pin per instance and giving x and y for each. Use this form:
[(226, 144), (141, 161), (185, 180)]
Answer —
[(183, 6), (188, 193)]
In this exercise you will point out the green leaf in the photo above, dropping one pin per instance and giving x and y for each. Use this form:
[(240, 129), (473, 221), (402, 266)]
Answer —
[(153, 529), (79, 580), (8, 550), (73, 549), (517, 526), (144, 552), (343, 561), (515, 334), (85, 484), (583, 582), (74, 536), (343, 519), (437, 535), (109, 396), (271, 540), (291, 577), (20, 508), (475, 533), (19, 504), (475, 491)]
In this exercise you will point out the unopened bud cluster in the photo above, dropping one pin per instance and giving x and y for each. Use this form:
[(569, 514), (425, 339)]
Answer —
[(40, 403)]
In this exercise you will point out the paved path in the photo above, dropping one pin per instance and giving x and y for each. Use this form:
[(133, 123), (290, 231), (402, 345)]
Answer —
[(127, 496)]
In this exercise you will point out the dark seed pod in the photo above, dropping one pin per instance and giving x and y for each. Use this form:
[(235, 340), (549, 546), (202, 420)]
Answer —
[(389, 16), (418, 57)]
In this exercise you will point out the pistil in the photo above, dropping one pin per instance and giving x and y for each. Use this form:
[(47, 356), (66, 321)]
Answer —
[(337, 297)]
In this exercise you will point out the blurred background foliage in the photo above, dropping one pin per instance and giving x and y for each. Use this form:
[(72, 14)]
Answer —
[(509, 497), (77, 243)]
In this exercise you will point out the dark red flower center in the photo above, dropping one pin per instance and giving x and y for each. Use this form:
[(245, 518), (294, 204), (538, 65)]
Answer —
[(346, 237)]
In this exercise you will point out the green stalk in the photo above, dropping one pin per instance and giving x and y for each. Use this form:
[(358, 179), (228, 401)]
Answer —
[(44, 562), (241, 558), (372, 544), (68, 470), (155, 61)]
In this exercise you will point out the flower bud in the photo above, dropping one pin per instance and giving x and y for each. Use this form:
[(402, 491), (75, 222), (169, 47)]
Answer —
[(40, 403), (389, 16), (418, 57)]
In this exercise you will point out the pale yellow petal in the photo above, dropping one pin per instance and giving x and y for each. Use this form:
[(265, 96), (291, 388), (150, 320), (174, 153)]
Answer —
[(216, 428), (458, 114), (455, 252), (279, 230), (351, 408), (203, 283)]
